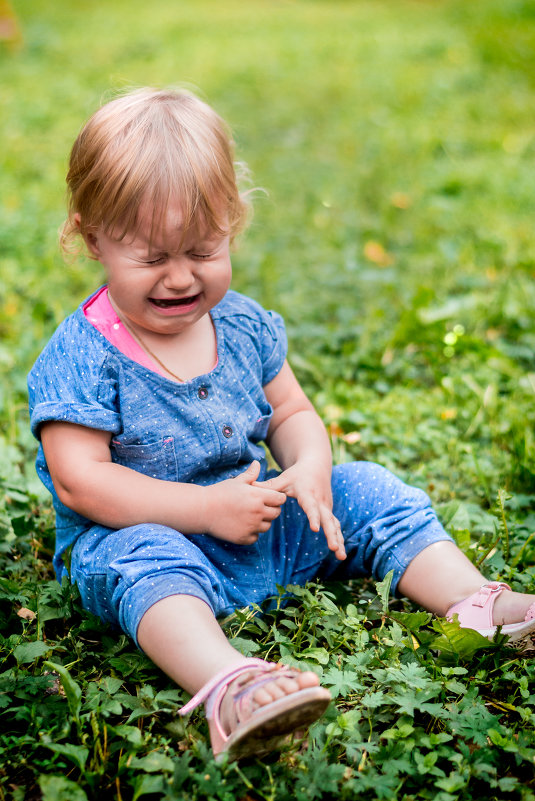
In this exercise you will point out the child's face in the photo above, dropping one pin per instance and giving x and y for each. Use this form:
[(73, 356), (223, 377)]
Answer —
[(164, 285)]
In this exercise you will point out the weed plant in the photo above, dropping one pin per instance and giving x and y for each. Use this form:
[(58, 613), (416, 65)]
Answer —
[(396, 141)]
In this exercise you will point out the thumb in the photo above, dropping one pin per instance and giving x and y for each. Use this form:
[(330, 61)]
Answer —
[(251, 474)]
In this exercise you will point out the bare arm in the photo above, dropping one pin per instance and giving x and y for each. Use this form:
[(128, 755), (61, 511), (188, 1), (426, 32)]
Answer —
[(87, 481), (298, 441)]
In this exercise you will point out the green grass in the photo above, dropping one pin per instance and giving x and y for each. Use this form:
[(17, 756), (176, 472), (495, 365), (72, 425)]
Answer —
[(396, 142)]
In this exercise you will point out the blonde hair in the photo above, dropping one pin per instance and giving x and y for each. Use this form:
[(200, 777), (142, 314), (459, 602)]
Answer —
[(154, 147)]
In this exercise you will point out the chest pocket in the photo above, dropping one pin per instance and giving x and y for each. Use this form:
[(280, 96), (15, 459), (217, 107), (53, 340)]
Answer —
[(155, 459)]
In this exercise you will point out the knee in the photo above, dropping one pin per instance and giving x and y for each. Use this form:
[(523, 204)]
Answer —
[(370, 491)]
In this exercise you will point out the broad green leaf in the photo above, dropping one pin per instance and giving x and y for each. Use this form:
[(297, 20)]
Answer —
[(146, 784), (153, 763), (320, 655), (456, 686), (329, 605), (463, 539), (373, 700), (452, 783), (508, 783), (130, 733), (340, 682), (456, 640), (498, 738), (412, 621), (301, 664), (58, 788), (245, 646), (409, 702), (111, 684), (399, 732), (30, 651), (168, 697), (76, 753), (426, 763)]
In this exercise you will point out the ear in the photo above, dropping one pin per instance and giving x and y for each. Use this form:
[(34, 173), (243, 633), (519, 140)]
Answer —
[(89, 236)]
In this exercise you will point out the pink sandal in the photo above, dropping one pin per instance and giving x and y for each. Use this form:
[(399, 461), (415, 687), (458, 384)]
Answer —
[(475, 612), (259, 731)]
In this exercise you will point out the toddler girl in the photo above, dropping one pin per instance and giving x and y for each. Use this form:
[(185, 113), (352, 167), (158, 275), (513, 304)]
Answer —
[(150, 403)]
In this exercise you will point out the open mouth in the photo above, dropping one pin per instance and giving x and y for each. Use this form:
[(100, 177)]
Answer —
[(173, 303)]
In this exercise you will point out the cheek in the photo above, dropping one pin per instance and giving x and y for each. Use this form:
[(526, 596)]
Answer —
[(225, 278), (227, 270), (217, 275), (124, 287)]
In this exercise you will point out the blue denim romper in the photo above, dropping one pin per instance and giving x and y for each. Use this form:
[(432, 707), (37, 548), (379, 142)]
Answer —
[(203, 431)]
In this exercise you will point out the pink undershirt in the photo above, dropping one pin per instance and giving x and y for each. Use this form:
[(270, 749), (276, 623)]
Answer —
[(99, 311)]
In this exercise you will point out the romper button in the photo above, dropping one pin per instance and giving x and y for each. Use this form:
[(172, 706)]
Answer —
[(227, 431), (202, 393)]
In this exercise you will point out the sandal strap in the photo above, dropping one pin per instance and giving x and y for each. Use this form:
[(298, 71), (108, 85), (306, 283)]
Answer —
[(220, 681), (476, 611), (214, 691), (242, 697), (489, 592)]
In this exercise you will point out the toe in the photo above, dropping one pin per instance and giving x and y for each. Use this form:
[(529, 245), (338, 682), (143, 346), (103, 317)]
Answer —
[(285, 685), (307, 679), (268, 693)]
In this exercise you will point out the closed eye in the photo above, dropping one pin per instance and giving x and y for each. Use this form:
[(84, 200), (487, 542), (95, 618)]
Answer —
[(158, 260)]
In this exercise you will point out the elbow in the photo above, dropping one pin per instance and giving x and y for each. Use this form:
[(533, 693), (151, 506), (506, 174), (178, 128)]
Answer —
[(67, 495), (72, 492)]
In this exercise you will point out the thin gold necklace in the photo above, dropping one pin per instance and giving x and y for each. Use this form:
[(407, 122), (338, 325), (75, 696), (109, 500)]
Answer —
[(146, 348)]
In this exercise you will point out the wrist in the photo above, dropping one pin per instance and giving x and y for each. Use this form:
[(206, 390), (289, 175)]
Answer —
[(206, 508), (316, 463)]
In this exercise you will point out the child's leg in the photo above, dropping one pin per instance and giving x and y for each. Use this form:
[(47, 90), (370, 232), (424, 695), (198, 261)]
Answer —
[(441, 575), (181, 635), (389, 525), (164, 592)]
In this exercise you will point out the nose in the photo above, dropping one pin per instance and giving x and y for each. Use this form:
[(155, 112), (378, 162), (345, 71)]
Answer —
[(178, 275)]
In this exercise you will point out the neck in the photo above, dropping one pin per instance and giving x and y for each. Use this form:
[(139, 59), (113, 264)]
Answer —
[(131, 328)]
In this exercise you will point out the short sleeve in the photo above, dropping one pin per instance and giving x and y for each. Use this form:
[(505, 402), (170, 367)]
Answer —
[(256, 337), (70, 381), (274, 345)]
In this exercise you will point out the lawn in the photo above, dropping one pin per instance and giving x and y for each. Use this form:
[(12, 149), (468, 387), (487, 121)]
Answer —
[(392, 143)]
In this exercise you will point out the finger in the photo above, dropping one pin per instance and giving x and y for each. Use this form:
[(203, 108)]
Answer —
[(337, 540), (277, 483), (272, 498), (249, 475), (333, 533), (248, 539), (271, 512), (310, 507)]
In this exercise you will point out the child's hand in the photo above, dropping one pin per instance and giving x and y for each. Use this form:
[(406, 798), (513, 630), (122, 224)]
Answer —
[(238, 509), (311, 486)]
